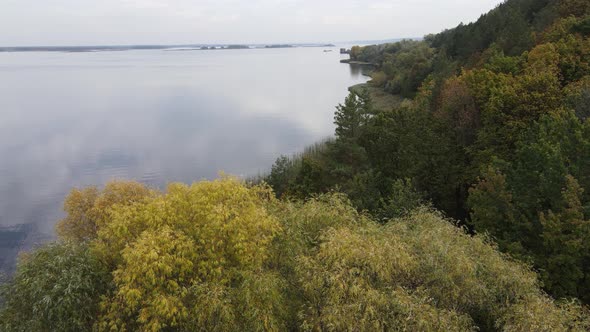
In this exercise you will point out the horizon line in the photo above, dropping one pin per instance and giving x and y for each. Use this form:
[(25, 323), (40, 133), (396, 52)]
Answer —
[(208, 44)]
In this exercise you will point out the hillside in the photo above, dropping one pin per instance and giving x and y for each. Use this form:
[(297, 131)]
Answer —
[(492, 129)]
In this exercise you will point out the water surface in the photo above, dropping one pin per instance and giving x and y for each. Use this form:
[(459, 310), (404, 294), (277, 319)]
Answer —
[(156, 116)]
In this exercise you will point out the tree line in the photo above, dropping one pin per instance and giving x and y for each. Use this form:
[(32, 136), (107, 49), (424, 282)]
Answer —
[(223, 255), (493, 130)]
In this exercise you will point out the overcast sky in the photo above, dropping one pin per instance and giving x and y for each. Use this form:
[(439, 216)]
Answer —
[(93, 22)]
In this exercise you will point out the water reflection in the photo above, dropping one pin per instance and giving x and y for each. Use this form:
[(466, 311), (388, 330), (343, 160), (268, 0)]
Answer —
[(358, 71), (77, 119), (355, 70)]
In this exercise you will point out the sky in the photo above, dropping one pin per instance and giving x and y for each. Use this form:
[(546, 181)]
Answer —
[(125, 22)]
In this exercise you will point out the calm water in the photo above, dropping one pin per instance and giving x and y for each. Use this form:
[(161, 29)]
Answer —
[(77, 119)]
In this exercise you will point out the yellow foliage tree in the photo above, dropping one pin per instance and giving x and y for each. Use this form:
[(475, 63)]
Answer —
[(222, 256), (88, 209), (417, 273), (171, 252)]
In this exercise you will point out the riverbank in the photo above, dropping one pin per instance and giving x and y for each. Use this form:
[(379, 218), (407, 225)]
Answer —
[(381, 100), (355, 62)]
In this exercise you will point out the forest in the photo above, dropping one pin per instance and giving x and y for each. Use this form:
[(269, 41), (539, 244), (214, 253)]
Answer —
[(225, 256), (462, 206), (491, 129)]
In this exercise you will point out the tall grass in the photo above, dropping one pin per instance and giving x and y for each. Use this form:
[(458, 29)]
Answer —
[(292, 164)]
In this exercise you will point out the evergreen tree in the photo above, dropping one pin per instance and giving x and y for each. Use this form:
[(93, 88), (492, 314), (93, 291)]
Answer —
[(566, 239)]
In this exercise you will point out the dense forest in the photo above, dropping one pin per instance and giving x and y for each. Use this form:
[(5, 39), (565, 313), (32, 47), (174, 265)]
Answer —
[(491, 128), (460, 204)]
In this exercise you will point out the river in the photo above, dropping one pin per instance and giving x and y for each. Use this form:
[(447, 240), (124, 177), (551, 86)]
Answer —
[(156, 116)]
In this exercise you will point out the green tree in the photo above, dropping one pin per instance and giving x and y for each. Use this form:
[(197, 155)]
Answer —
[(355, 52), (566, 237), (493, 211), (312, 178), (350, 117), (55, 288), (574, 7), (403, 199), (281, 175), (526, 208), (577, 97)]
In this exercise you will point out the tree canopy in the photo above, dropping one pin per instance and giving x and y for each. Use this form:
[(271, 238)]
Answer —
[(492, 129), (221, 255)]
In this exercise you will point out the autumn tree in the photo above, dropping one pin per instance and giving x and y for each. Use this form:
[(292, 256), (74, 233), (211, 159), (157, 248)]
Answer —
[(220, 255), (88, 209), (170, 252), (419, 272)]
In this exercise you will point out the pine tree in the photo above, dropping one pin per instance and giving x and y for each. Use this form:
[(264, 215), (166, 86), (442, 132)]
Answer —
[(352, 115), (566, 239)]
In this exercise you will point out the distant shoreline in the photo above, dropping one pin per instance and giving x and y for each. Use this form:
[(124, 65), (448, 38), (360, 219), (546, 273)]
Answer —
[(195, 47)]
